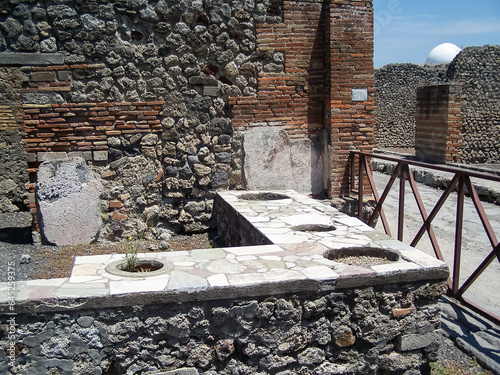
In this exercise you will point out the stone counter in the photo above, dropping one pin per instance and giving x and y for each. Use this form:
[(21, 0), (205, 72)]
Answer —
[(278, 307)]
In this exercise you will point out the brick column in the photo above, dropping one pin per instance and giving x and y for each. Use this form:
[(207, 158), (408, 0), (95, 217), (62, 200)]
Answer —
[(438, 123), (349, 122)]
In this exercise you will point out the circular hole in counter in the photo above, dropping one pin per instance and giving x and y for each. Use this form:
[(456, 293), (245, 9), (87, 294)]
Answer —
[(314, 228), (363, 256), (263, 196), (143, 268)]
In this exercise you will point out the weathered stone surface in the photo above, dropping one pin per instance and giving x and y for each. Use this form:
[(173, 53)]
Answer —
[(68, 202), (415, 341), (273, 161), (265, 335), (13, 167)]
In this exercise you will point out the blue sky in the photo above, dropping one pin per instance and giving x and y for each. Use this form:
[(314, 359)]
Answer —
[(407, 30)]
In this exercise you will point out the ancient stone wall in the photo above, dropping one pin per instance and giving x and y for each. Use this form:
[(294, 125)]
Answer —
[(158, 95), (477, 70), (13, 163), (132, 70), (385, 329), (396, 98)]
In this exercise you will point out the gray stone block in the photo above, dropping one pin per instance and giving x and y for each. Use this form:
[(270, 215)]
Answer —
[(464, 316), (52, 156), (34, 59), (43, 76), (42, 98), (415, 341), (68, 200), (274, 161), (85, 155), (486, 353), (180, 371), (101, 155), (452, 328)]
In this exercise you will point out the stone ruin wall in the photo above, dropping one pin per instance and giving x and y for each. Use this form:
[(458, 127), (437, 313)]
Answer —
[(148, 82), (382, 329), (157, 95), (13, 164), (476, 69), (396, 98)]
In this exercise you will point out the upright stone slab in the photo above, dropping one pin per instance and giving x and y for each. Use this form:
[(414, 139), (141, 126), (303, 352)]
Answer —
[(68, 202), (273, 161)]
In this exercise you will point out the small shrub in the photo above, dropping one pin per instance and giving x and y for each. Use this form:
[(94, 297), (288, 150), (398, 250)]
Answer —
[(131, 247)]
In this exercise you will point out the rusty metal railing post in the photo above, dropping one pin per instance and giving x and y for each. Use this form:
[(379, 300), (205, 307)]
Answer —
[(352, 175), (458, 234), (361, 184), (401, 208)]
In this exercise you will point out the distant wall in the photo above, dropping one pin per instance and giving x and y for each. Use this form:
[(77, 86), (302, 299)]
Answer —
[(476, 70), (395, 97), (438, 123)]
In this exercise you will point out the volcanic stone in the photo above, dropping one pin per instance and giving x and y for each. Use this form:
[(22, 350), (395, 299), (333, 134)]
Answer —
[(68, 202)]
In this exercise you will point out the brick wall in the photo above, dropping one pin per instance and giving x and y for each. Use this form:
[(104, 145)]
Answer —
[(79, 127), (438, 123), (57, 130), (328, 51), (291, 91), (351, 123)]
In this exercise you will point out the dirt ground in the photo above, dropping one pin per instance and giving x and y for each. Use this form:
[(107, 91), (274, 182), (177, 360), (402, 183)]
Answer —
[(46, 262)]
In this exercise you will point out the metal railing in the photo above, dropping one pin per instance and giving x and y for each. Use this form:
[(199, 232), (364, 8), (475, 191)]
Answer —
[(461, 182)]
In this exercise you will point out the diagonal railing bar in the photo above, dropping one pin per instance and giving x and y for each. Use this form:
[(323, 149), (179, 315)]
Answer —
[(378, 207), (461, 181), (377, 198), (423, 212), (480, 212), (434, 212), (479, 270)]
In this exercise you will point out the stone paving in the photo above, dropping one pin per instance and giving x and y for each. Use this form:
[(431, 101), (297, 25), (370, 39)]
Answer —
[(301, 230)]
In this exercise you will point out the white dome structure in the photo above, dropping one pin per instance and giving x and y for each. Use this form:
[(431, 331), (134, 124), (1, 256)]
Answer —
[(443, 54)]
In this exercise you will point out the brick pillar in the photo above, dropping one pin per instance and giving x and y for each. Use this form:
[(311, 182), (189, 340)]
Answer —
[(349, 117), (438, 123)]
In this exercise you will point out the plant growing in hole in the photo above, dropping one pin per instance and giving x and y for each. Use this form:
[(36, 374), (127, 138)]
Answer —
[(131, 246)]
